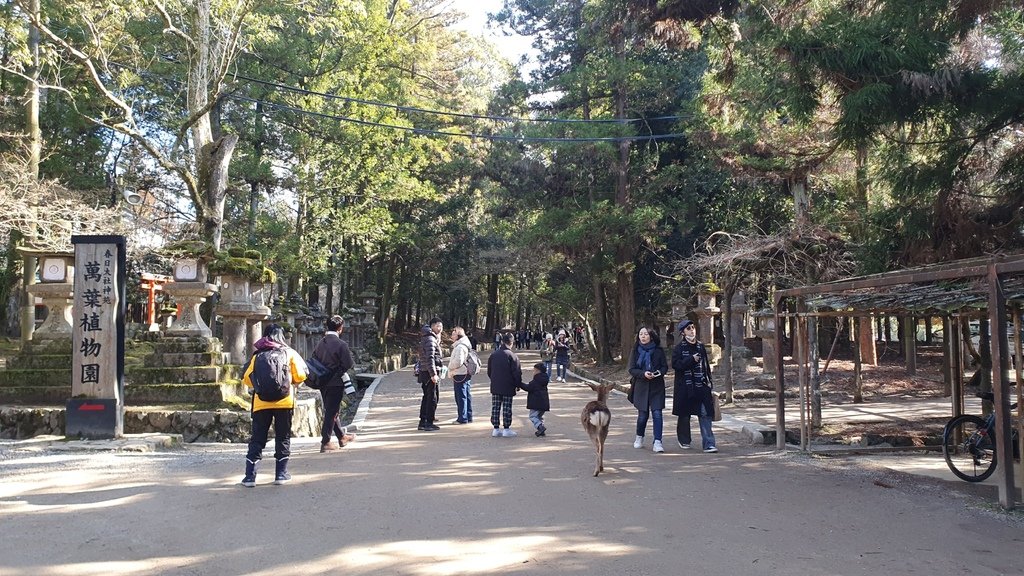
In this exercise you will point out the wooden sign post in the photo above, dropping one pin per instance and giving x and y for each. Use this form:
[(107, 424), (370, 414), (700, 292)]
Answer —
[(96, 407)]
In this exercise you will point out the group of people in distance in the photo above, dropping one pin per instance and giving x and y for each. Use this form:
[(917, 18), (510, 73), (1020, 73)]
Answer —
[(647, 366), (503, 371)]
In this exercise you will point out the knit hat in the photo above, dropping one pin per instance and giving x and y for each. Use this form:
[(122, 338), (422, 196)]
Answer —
[(682, 325)]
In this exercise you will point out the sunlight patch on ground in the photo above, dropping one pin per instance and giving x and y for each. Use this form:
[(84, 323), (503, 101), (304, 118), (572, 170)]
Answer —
[(480, 556), (21, 506)]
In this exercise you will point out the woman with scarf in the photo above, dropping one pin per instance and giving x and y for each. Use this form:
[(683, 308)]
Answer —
[(647, 366), (691, 393)]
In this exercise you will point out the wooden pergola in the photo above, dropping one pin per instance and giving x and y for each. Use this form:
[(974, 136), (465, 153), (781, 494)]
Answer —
[(990, 287)]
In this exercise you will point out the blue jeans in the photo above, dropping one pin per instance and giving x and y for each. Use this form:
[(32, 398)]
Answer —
[(561, 367), (641, 422), (537, 417), (547, 364), (707, 437), (463, 397)]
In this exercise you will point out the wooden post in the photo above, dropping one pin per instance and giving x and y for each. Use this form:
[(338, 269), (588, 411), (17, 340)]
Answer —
[(1019, 355), (947, 356), (800, 356), (910, 344), (858, 381), (780, 383), (1001, 389), (958, 366)]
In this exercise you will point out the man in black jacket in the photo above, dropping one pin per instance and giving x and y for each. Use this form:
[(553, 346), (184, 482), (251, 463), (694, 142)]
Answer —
[(506, 375), (430, 373), (334, 353)]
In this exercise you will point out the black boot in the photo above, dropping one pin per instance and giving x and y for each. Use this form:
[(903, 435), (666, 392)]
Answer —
[(250, 473), (281, 475)]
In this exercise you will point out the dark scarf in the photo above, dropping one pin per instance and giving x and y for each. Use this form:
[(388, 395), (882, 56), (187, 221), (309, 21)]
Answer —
[(643, 356)]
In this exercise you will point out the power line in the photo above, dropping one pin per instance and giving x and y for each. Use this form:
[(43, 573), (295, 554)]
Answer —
[(413, 109), (473, 135)]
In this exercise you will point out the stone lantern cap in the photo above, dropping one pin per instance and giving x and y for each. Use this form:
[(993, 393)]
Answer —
[(54, 266)]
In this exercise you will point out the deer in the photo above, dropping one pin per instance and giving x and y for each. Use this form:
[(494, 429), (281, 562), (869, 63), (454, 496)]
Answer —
[(595, 418)]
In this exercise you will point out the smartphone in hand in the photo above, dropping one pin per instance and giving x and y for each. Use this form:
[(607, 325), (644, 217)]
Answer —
[(656, 373)]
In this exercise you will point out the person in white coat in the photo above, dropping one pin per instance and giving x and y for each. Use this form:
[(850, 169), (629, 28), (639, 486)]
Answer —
[(461, 379)]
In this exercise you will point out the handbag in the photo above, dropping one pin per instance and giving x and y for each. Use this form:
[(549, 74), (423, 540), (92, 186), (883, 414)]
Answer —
[(632, 386), (318, 374), (717, 416)]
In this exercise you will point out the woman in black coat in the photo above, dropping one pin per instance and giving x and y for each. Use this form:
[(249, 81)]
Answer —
[(691, 392), (647, 366)]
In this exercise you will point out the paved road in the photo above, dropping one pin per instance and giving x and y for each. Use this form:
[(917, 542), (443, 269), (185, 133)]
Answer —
[(457, 501)]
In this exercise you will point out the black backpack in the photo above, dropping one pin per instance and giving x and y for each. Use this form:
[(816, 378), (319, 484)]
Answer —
[(271, 374)]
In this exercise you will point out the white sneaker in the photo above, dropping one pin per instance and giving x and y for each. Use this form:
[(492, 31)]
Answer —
[(639, 442), (509, 433), (658, 447), (496, 433), (684, 446), (711, 450)]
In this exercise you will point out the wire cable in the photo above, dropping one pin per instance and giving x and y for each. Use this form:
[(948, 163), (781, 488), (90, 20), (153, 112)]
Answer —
[(472, 135), (413, 109)]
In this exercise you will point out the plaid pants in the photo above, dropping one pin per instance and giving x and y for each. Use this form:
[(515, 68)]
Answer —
[(501, 405)]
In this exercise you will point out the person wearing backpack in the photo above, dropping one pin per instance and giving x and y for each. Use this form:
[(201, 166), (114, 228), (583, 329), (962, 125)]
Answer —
[(272, 372), (463, 365), (334, 353)]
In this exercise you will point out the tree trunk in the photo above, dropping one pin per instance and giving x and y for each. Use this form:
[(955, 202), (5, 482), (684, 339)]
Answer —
[(601, 313), (730, 291), (386, 294), (626, 251), (35, 138), (493, 321), (801, 201)]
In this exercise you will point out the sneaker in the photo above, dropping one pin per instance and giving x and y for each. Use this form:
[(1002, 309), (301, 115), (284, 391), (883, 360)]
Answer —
[(639, 442), (430, 428), (509, 433), (496, 433), (249, 481), (711, 450), (345, 439), (329, 447), (658, 447), (282, 478), (684, 446)]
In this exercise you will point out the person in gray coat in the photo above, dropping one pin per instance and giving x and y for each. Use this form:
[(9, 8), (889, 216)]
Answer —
[(647, 367), (506, 374)]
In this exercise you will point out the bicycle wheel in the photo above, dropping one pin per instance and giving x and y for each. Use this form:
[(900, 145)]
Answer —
[(968, 449)]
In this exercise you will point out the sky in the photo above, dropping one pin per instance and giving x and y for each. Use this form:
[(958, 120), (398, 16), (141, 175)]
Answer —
[(476, 22)]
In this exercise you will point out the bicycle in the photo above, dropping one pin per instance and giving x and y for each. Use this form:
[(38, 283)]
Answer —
[(967, 444)]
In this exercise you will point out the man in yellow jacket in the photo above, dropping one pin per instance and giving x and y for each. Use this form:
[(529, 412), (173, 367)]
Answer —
[(275, 406)]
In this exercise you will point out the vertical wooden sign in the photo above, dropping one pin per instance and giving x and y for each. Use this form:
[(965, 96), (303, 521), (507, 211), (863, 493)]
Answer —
[(96, 407)]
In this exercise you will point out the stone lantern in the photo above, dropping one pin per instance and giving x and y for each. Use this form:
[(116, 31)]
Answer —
[(238, 310), (189, 290), (369, 300), (56, 290)]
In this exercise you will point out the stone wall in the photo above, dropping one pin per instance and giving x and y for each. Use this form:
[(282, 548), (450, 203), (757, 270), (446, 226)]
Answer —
[(194, 426)]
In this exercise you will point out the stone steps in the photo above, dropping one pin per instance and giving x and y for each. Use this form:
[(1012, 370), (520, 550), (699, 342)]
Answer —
[(183, 375), (35, 377), (40, 362)]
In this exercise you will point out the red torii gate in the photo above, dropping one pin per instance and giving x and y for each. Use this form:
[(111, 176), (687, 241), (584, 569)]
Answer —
[(153, 283)]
